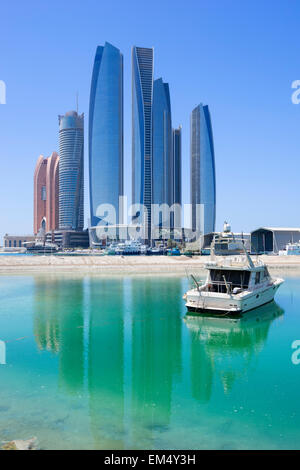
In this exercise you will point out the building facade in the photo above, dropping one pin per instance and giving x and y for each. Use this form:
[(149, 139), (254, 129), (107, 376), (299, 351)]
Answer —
[(162, 157), (69, 238), (177, 197), (106, 135), (71, 171), (17, 241), (202, 167), (142, 97), (177, 185), (273, 239), (46, 193)]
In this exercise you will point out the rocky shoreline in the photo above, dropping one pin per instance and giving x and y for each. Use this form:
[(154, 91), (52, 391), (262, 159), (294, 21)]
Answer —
[(19, 444)]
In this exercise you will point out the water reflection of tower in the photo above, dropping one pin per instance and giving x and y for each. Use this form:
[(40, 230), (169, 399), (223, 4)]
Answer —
[(201, 370), (71, 321), (106, 363), (46, 321), (58, 326), (156, 351), (226, 347)]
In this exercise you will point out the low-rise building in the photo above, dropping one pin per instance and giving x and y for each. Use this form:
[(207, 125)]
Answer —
[(69, 238), (273, 239), (101, 234), (16, 241)]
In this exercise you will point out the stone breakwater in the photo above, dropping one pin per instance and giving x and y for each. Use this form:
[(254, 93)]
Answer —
[(124, 264)]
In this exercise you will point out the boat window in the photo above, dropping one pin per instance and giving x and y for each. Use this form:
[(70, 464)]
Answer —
[(234, 278), (257, 277)]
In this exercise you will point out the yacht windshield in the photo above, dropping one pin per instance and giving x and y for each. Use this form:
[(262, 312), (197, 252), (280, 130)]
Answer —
[(233, 278)]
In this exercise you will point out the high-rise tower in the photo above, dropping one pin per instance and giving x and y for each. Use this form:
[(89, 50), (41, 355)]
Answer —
[(46, 188), (203, 178), (176, 178), (177, 194), (142, 96), (162, 159), (106, 133), (71, 171)]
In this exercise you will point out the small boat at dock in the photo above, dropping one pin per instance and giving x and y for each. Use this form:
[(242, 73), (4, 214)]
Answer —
[(291, 249), (233, 285)]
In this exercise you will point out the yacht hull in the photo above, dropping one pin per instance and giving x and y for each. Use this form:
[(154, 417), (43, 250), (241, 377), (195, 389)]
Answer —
[(224, 312), (220, 304)]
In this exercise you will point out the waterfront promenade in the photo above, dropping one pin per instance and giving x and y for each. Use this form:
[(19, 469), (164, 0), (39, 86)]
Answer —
[(124, 264)]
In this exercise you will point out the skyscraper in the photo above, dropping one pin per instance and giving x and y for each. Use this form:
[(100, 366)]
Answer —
[(177, 190), (71, 171), (142, 95), (106, 132), (177, 195), (203, 178), (162, 160), (46, 188)]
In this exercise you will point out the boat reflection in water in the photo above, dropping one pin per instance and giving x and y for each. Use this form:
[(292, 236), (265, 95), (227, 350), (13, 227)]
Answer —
[(226, 346)]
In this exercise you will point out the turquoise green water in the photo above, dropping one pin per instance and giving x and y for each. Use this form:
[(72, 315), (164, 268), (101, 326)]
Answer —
[(114, 363)]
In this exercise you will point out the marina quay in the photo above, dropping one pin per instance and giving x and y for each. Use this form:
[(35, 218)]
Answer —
[(123, 264)]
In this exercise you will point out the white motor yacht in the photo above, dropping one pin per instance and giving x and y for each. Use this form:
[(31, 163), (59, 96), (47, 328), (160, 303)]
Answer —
[(293, 249), (233, 285)]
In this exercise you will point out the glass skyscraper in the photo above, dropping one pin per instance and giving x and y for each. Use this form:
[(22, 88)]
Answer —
[(203, 178), (71, 171), (142, 96), (177, 165), (106, 132), (162, 160), (177, 189)]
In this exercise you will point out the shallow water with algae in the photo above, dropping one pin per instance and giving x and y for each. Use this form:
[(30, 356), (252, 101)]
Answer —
[(115, 363)]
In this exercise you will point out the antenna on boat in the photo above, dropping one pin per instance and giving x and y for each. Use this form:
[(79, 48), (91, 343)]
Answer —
[(252, 247), (195, 281), (226, 284), (212, 249), (250, 262)]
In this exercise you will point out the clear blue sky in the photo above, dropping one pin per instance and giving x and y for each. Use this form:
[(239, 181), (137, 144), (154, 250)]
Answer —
[(239, 57)]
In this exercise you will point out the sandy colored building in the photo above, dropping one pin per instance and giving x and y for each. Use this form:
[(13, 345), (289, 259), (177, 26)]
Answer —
[(46, 193), (16, 241)]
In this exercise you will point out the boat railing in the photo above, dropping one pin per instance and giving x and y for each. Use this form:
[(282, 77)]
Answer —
[(219, 286)]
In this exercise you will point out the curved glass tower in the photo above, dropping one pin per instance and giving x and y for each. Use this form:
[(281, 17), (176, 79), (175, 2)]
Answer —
[(203, 177), (162, 161), (106, 132), (71, 171), (177, 165), (142, 93)]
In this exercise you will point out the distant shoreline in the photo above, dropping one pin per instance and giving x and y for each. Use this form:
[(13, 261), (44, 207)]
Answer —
[(125, 265)]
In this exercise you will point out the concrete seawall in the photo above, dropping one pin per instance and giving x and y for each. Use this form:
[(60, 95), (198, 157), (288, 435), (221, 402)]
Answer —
[(126, 264)]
